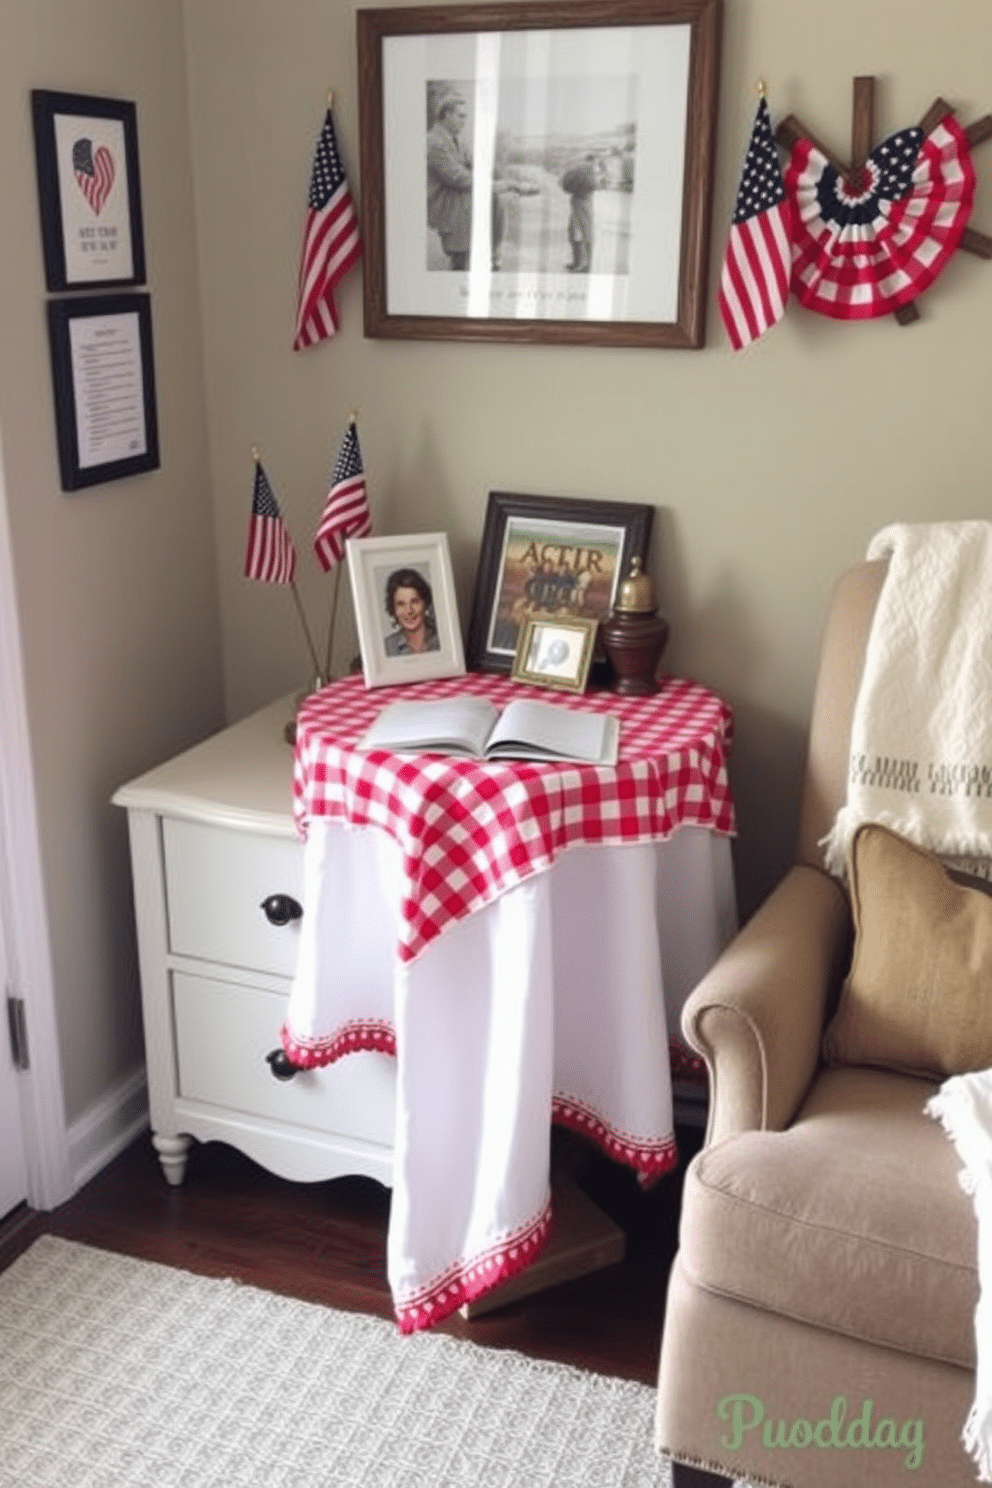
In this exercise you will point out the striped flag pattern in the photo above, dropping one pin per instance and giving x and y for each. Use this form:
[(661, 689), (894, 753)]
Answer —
[(270, 555), (866, 251), (346, 510), (331, 242), (754, 283), (94, 172)]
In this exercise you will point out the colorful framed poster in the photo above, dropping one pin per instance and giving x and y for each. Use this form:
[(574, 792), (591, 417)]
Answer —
[(89, 190), (548, 556)]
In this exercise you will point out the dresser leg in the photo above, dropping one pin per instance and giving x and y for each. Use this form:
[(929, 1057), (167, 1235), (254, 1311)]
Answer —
[(172, 1153)]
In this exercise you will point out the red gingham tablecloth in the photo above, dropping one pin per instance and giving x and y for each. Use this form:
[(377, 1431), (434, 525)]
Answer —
[(470, 830)]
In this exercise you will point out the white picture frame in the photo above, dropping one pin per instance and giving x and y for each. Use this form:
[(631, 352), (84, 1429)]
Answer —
[(386, 608)]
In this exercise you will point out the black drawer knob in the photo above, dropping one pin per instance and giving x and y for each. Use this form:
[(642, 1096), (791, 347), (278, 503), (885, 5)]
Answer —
[(281, 1065), (279, 909)]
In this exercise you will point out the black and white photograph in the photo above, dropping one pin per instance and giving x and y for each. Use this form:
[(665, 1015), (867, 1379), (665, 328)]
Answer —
[(546, 181), (405, 608), (562, 170)]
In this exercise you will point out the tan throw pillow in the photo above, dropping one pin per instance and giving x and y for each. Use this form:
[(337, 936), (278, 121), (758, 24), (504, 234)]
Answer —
[(918, 996)]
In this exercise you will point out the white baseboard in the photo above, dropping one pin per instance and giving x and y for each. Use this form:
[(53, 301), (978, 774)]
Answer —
[(109, 1126)]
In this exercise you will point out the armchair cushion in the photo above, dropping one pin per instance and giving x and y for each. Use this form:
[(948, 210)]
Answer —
[(851, 1220), (918, 996)]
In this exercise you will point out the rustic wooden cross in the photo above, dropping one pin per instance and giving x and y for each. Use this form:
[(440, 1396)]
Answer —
[(791, 130)]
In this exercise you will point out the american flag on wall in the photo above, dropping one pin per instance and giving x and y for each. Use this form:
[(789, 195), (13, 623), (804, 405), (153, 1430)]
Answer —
[(270, 555), (346, 510), (331, 242), (754, 283), (94, 172)]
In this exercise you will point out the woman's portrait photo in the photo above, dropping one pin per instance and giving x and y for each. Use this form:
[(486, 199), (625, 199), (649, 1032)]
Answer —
[(406, 612), (409, 608)]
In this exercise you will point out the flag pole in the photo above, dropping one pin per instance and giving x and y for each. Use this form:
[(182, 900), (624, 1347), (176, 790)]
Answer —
[(306, 631), (256, 456), (352, 421), (334, 610)]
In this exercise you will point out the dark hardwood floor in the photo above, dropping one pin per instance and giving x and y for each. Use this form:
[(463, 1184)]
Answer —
[(326, 1243)]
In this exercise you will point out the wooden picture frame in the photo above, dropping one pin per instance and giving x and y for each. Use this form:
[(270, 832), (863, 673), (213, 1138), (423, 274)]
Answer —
[(376, 568), (103, 380), (593, 124), (89, 191), (555, 651), (548, 555)]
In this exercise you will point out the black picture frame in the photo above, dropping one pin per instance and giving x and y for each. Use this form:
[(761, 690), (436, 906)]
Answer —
[(103, 381), (643, 281), (89, 191), (578, 528)]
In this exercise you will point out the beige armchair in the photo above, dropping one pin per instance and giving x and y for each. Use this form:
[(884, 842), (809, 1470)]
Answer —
[(819, 1327)]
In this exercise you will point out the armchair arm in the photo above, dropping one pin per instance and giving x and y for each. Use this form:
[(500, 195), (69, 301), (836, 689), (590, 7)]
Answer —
[(757, 1016)]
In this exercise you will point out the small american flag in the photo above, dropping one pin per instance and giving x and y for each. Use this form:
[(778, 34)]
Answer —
[(331, 242), (270, 555), (94, 172), (754, 284), (346, 510)]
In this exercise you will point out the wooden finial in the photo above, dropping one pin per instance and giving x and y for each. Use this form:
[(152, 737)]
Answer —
[(330, 97), (353, 417), (761, 88), (254, 453)]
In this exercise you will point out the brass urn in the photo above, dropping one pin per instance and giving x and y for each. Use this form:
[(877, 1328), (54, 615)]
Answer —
[(635, 635)]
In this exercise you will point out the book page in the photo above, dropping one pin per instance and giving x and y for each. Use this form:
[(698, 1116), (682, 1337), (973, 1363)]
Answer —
[(458, 725), (544, 729)]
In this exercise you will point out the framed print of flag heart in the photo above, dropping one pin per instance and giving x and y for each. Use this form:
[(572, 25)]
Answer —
[(89, 190)]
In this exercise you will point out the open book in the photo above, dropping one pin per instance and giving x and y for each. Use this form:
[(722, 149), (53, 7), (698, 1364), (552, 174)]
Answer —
[(526, 729)]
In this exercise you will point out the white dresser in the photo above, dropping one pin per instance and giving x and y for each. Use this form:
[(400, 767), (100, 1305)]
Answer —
[(218, 889)]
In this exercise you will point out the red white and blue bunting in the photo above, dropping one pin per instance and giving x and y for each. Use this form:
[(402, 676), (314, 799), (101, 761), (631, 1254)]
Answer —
[(867, 251)]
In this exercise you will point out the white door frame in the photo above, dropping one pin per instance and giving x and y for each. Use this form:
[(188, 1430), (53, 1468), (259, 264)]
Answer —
[(13, 1169), (22, 904)]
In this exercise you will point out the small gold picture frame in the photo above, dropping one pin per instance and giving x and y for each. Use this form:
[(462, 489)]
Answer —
[(555, 651)]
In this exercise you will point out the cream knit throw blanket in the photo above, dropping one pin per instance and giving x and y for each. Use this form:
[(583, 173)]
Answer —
[(921, 738), (963, 1105)]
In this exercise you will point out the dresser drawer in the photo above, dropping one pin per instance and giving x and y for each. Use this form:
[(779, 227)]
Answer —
[(216, 879), (223, 1033)]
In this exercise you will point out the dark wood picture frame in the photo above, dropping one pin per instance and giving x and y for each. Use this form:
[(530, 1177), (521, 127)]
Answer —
[(494, 633), (89, 197), (687, 232), (102, 382)]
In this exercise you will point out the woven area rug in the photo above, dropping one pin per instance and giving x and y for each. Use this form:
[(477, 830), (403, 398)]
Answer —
[(118, 1373)]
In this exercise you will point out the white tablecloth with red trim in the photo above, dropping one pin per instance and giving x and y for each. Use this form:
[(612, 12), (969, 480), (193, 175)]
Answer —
[(510, 995)]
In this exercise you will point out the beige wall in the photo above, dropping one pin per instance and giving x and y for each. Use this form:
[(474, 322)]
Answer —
[(115, 585), (769, 469)]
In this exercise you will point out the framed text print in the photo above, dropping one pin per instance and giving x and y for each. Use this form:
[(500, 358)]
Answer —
[(103, 376), (539, 171), (89, 190)]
